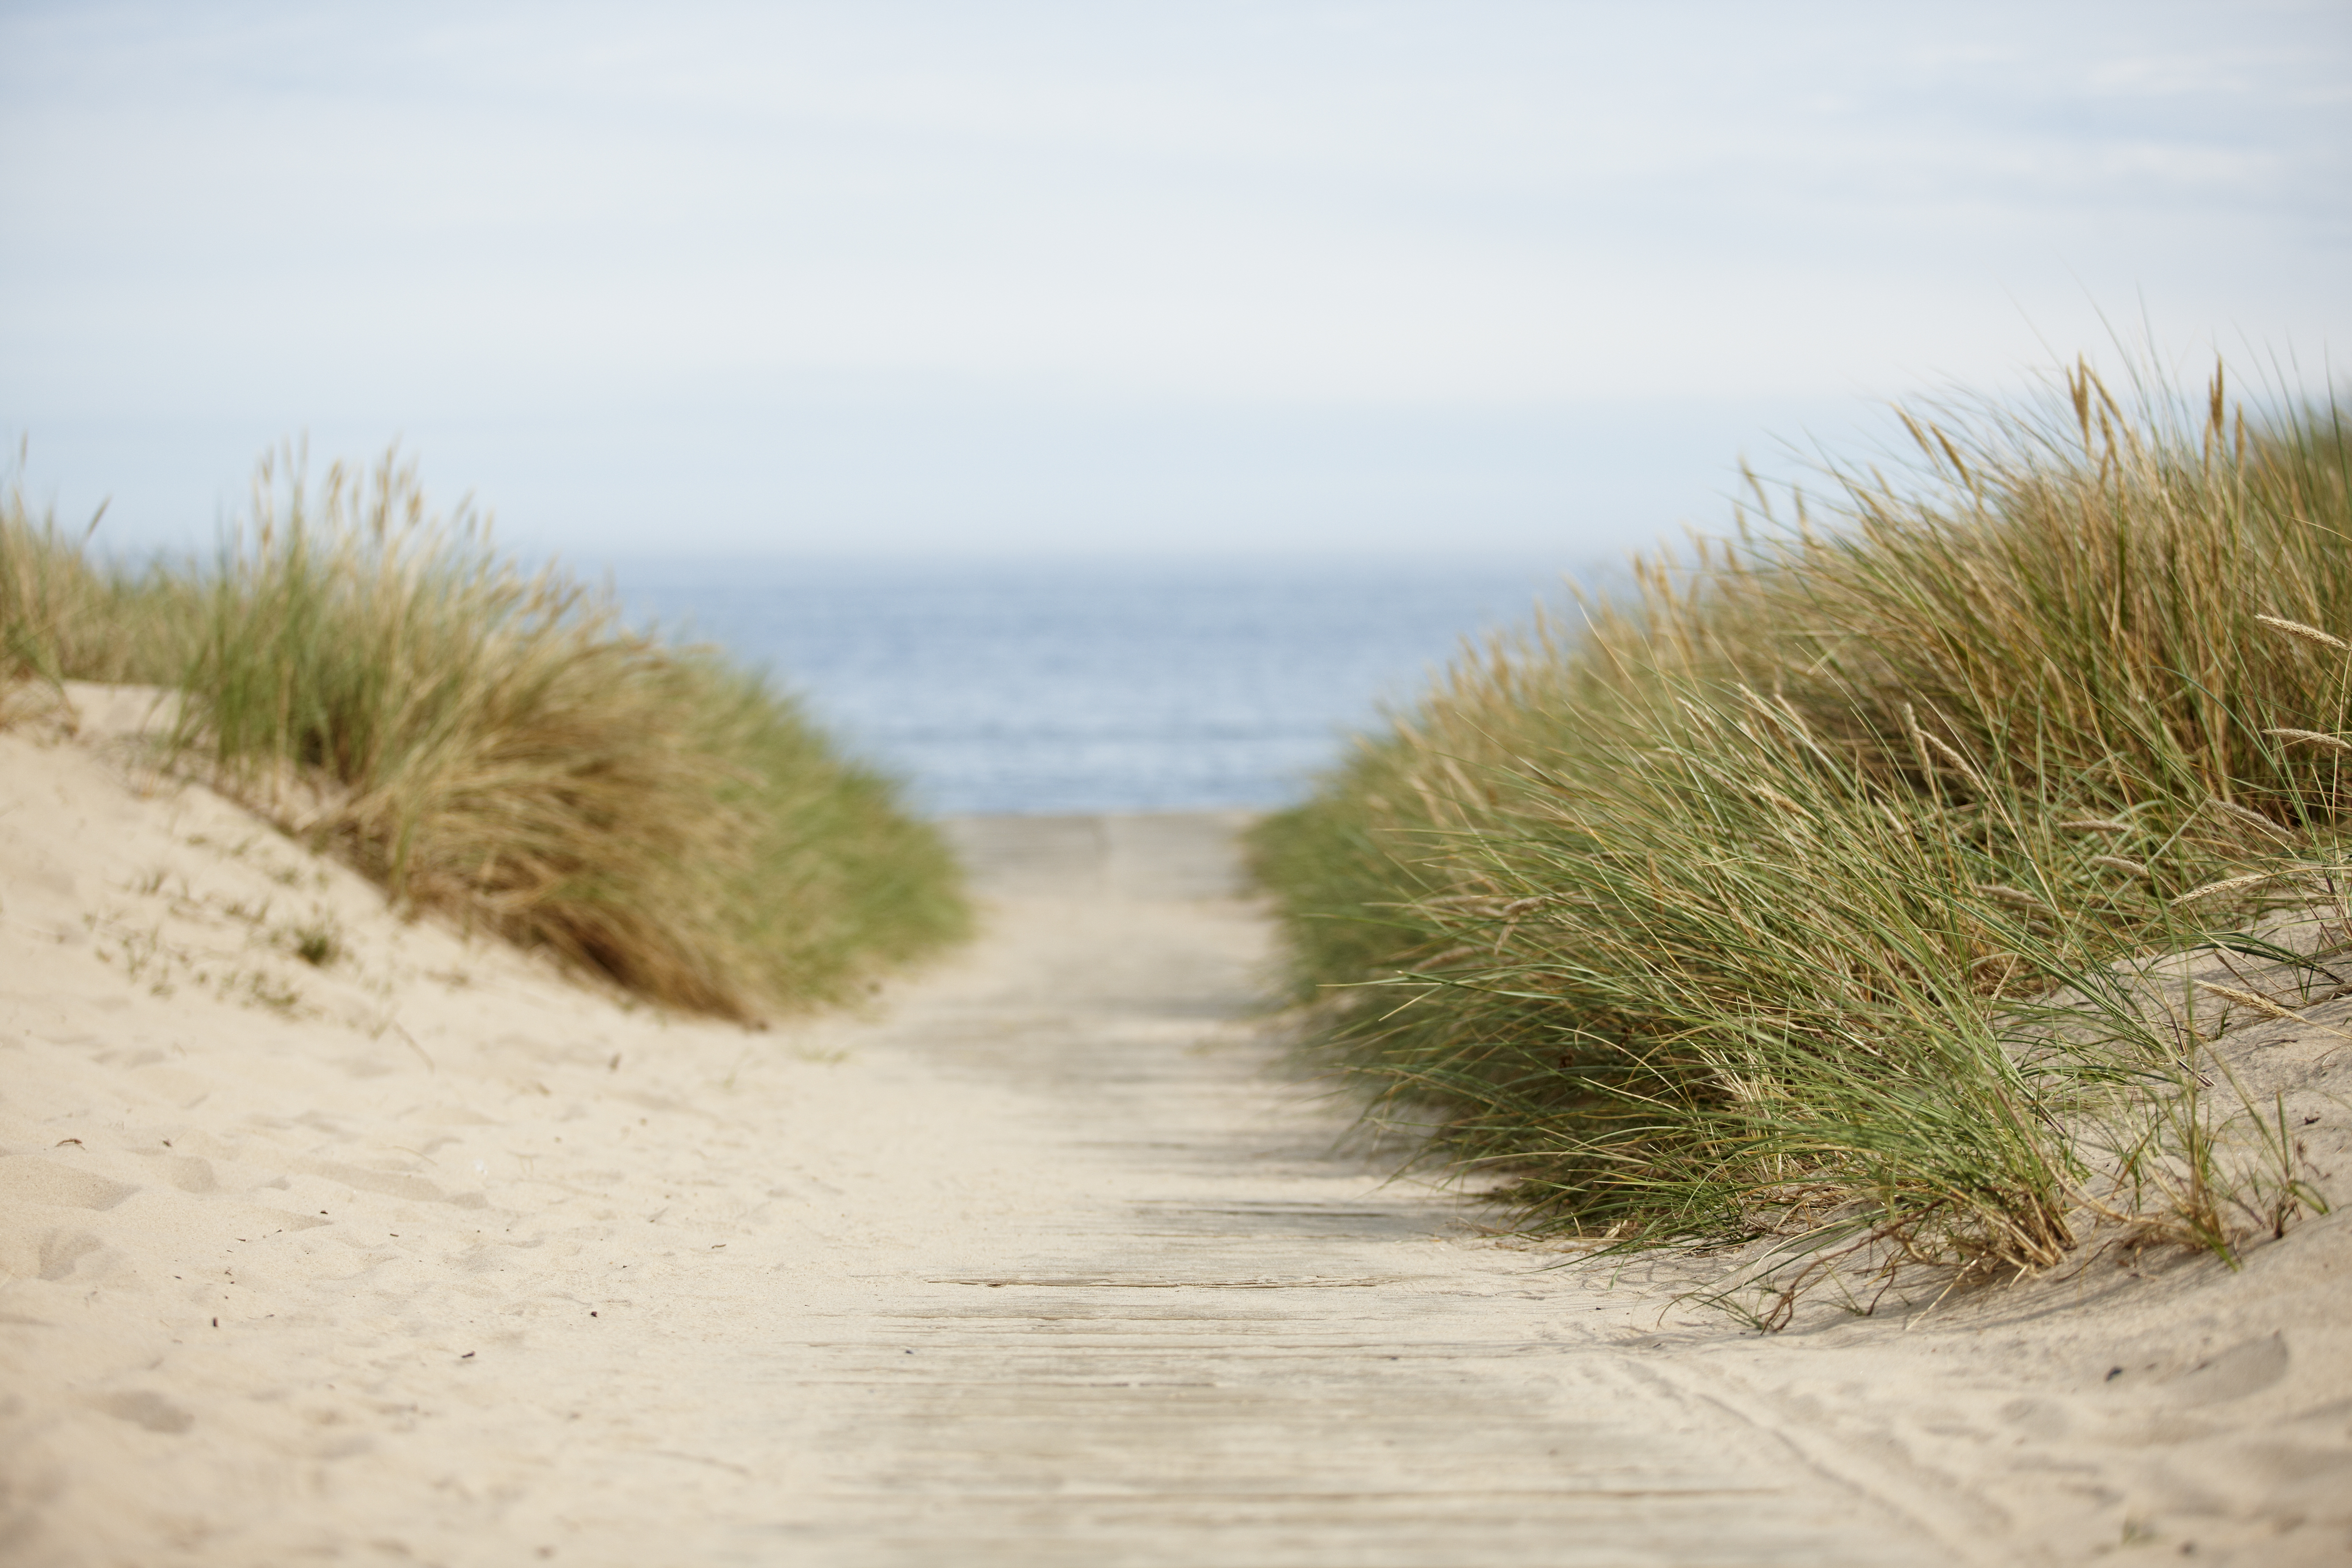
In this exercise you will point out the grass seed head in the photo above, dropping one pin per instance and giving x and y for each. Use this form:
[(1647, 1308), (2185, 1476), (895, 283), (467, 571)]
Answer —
[(2306, 633), (2228, 885), (2312, 738), (2238, 814), (2260, 1004)]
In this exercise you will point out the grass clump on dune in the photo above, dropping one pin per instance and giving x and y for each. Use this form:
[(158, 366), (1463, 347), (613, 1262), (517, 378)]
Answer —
[(495, 745), (1738, 910), (66, 617)]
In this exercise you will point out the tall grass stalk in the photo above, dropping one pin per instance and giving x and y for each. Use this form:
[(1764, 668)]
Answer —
[(1731, 911)]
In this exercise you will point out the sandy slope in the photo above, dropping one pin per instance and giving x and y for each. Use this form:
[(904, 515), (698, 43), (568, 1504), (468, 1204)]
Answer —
[(428, 1254)]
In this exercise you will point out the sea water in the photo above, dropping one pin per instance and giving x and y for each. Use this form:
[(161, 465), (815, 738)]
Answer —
[(1101, 684)]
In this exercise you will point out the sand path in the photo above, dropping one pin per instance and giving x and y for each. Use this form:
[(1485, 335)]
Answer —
[(1193, 1335), (448, 1260)]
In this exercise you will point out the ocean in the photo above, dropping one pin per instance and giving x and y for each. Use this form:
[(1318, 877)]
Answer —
[(1092, 684)]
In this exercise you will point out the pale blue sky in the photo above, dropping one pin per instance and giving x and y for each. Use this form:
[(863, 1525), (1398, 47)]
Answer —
[(1516, 275)]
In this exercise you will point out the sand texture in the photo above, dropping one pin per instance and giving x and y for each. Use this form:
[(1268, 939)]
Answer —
[(423, 1253)]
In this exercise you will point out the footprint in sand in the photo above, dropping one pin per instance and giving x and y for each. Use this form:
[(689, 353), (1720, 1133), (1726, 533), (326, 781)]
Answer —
[(153, 1410), (27, 1179)]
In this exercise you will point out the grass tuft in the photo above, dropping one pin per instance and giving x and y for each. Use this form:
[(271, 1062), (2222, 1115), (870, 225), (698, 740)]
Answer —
[(64, 616), (1732, 912), (495, 743)]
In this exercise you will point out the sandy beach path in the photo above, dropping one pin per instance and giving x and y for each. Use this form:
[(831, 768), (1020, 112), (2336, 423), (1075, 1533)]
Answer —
[(1192, 1333), (428, 1254)]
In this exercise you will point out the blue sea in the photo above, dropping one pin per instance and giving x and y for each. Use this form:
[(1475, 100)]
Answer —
[(1092, 684)]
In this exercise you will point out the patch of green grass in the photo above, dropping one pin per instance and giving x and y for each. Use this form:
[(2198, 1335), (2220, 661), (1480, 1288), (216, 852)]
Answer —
[(1729, 911), (495, 743), (317, 941)]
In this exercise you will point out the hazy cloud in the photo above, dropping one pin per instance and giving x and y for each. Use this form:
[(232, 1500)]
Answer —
[(575, 240)]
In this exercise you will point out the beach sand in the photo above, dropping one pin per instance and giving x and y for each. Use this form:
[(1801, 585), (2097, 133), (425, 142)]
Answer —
[(427, 1253)]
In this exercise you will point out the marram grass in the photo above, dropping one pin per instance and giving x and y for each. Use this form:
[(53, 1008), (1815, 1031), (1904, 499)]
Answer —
[(494, 743), (1731, 911), (66, 617)]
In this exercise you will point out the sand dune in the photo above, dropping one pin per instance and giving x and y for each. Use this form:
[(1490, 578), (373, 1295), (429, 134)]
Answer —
[(328, 1237)]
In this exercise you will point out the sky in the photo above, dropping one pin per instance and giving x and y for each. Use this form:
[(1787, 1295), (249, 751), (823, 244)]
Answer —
[(898, 276)]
